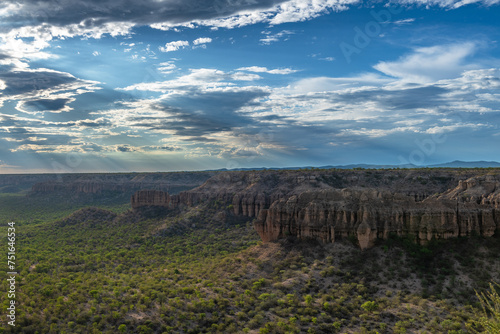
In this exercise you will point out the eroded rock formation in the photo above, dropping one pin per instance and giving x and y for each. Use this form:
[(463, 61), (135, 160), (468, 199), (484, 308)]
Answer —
[(369, 215), (366, 205), (104, 184)]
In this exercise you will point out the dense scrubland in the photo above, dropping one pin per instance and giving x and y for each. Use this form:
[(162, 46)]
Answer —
[(89, 264), (111, 270)]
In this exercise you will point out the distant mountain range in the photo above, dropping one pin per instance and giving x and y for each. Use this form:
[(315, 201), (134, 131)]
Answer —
[(453, 164)]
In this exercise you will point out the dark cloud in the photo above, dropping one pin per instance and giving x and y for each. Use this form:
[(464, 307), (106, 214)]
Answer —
[(123, 148), (94, 13), (202, 113), (25, 82), (399, 99), (41, 90), (170, 148), (200, 139), (45, 105)]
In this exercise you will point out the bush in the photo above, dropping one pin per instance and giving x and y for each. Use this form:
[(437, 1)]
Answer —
[(489, 318), (369, 306)]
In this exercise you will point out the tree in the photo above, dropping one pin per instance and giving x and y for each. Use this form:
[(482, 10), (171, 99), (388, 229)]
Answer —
[(489, 318), (369, 306)]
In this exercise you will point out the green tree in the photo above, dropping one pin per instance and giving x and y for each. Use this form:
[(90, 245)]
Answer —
[(369, 306)]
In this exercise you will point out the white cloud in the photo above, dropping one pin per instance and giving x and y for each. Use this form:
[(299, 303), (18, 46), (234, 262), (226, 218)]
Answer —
[(328, 84), (202, 40), (241, 76), (166, 67), (260, 69), (287, 11), (203, 78), (404, 21), (428, 64), (29, 41), (174, 46), (196, 77), (449, 3), (96, 53), (271, 38)]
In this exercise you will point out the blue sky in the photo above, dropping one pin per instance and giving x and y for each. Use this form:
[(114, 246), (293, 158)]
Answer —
[(111, 86)]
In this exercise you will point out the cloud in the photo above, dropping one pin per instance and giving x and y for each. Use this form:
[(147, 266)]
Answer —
[(174, 46), (41, 105), (240, 76), (208, 113), (202, 40), (207, 78), (48, 20), (428, 64), (194, 114), (404, 21), (260, 69), (40, 90), (29, 27), (323, 84), (167, 67), (452, 4), (271, 38)]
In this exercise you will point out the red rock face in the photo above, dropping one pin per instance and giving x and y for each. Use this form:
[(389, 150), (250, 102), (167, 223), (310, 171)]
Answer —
[(368, 216), (151, 198), (301, 205)]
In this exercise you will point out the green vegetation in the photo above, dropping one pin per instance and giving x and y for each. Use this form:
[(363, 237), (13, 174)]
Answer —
[(42, 208), (206, 271), (489, 319)]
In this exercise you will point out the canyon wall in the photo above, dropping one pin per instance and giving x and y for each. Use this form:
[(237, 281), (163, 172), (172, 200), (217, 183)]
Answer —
[(103, 184), (366, 205)]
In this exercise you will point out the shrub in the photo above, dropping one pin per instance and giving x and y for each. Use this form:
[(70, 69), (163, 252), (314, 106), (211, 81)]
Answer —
[(489, 318), (369, 306)]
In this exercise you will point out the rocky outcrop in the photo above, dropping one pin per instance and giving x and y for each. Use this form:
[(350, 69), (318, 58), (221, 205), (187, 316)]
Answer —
[(369, 215), (104, 184), (366, 205), (483, 190), (151, 198), (144, 198)]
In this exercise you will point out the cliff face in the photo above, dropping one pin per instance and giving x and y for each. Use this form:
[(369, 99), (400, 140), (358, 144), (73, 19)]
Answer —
[(151, 198), (366, 205), (369, 215), (101, 184)]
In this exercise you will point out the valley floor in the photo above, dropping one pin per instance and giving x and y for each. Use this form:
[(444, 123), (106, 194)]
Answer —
[(205, 271)]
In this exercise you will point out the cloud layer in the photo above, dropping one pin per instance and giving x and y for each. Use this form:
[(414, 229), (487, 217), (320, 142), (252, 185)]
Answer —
[(245, 109)]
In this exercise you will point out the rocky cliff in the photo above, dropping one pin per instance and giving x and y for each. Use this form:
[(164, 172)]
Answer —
[(370, 214), (366, 205), (103, 184)]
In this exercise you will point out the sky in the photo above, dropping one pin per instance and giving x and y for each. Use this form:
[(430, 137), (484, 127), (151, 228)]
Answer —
[(169, 85)]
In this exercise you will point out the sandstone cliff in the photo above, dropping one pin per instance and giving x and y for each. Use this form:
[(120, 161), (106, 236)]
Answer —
[(369, 215), (103, 184), (366, 205)]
